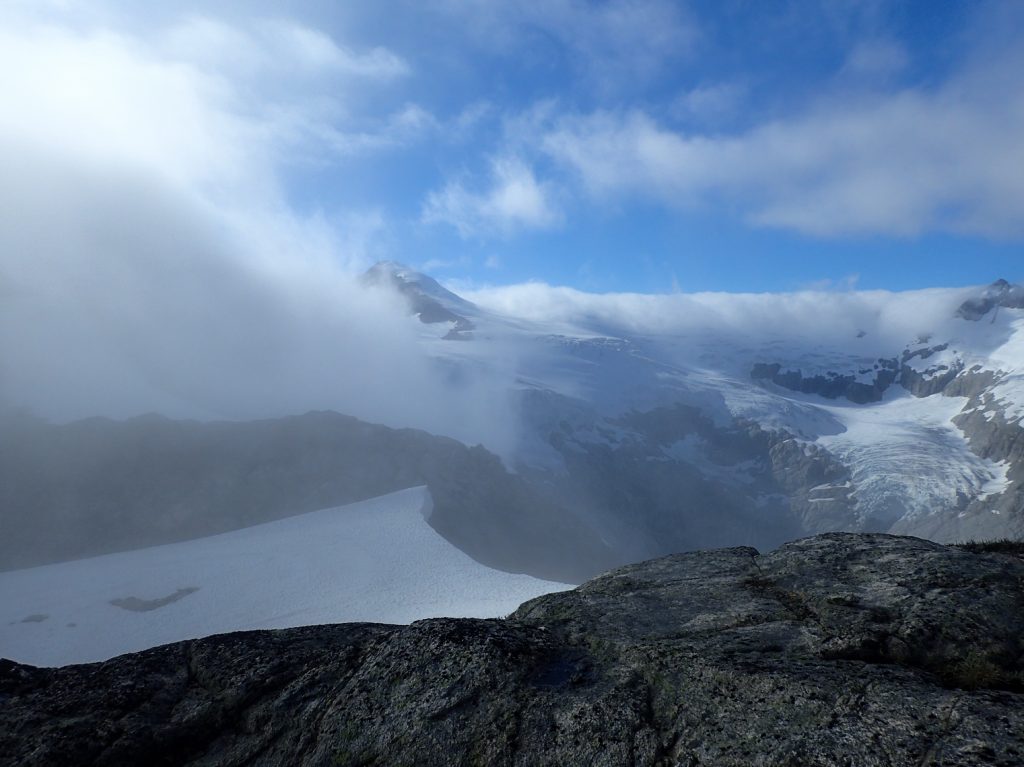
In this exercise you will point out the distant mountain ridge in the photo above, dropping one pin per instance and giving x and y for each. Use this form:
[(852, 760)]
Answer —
[(427, 299), (999, 293)]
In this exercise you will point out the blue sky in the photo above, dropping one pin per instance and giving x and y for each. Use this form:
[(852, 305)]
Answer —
[(639, 145)]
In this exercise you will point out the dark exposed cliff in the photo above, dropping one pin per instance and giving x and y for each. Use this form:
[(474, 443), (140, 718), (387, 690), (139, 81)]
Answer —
[(841, 649), (999, 293)]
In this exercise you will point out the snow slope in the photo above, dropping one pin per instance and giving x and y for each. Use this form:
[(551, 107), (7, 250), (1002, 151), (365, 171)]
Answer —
[(377, 561)]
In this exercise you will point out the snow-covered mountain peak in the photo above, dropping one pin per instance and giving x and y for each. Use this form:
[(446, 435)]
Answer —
[(409, 280), (427, 299), (999, 293)]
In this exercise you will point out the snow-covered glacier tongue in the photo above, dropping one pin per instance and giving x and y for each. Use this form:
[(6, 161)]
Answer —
[(909, 461)]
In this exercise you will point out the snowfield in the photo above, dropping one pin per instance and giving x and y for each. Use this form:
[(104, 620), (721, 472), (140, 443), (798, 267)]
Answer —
[(376, 561)]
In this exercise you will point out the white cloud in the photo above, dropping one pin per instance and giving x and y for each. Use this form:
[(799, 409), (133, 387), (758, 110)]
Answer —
[(275, 47), (515, 200), (878, 58), (709, 103), (847, 282), (96, 97), (402, 128), (614, 44), (150, 258), (296, 80), (200, 100), (899, 163), (833, 318), (315, 51)]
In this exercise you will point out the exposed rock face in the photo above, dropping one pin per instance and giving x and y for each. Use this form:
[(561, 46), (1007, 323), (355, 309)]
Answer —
[(999, 293), (837, 650), (992, 435), (885, 372), (934, 378), (427, 299), (817, 485), (831, 385)]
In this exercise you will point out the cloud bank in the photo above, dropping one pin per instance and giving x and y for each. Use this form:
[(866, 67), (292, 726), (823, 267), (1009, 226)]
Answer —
[(515, 200), (611, 46), (150, 256), (899, 164), (874, 150), (843, 321)]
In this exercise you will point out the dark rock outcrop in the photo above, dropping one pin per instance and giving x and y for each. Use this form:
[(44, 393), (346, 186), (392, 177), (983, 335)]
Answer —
[(425, 296), (818, 486), (933, 379), (999, 293), (885, 372), (831, 385), (837, 650)]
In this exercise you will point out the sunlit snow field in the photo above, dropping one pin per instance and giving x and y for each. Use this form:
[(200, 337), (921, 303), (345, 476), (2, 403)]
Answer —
[(377, 560)]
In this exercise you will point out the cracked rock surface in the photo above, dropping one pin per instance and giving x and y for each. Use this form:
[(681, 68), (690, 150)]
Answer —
[(842, 649)]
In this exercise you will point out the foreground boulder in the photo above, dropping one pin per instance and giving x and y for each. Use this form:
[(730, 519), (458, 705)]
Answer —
[(841, 649)]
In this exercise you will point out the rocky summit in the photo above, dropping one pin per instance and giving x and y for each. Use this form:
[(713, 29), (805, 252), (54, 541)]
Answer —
[(841, 649)]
